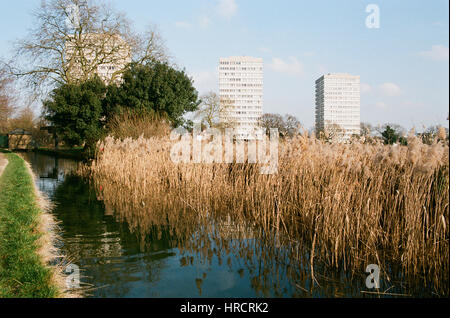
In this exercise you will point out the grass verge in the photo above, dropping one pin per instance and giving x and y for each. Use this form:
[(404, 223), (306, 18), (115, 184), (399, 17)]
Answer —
[(23, 273)]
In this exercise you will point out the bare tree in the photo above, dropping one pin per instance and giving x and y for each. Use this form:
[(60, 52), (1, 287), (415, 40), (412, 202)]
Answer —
[(226, 114), (433, 133), (149, 46), (209, 109), (25, 119), (271, 121), (288, 126), (215, 111), (72, 39), (332, 132), (366, 129), (7, 101), (292, 125)]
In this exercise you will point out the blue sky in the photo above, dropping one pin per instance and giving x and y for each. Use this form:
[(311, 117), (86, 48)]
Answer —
[(404, 65)]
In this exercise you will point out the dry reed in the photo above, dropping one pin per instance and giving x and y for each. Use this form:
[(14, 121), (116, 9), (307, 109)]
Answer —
[(135, 124), (350, 205)]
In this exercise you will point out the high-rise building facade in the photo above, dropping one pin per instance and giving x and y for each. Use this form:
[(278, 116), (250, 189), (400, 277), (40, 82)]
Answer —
[(103, 54), (338, 103), (241, 85)]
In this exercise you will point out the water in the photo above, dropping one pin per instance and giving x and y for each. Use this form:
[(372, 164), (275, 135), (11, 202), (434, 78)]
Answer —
[(118, 262)]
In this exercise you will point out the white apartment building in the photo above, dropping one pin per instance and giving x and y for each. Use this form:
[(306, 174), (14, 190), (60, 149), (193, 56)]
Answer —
[(338, 103), (103, 54), (241, 85)]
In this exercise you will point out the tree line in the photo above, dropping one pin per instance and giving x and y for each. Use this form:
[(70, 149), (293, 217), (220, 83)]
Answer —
[(80, 112), (58, 64), (79, 105)]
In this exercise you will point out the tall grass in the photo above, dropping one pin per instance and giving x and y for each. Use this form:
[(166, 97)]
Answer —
[(347, 205), (129, 123)]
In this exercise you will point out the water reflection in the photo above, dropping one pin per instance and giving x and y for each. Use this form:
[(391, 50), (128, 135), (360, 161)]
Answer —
[(161, 249), (50, 171)]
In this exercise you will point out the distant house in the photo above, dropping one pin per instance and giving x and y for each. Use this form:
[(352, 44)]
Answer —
[(19, 139)]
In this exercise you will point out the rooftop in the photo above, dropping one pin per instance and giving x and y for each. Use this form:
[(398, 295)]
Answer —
[(242, 58), (19, 131)]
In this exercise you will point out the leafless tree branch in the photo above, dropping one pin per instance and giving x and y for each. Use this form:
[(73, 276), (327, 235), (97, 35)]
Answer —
[(72, 39)]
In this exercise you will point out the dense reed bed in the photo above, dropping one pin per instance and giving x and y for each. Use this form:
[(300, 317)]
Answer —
[(330, 206)]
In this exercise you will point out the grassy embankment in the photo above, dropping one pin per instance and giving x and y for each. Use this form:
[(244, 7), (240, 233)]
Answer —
[(24, 247)]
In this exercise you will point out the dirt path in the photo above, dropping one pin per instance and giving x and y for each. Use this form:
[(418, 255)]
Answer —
[(3, 163)]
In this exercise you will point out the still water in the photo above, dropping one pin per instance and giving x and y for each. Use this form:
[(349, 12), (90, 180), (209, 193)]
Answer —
[(116, 263)]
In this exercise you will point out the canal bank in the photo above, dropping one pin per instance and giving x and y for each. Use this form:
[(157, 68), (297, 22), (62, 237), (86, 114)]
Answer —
[(121, 253), (28, 233)]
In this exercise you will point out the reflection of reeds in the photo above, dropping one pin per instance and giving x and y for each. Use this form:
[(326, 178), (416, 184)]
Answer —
[(356, 204)]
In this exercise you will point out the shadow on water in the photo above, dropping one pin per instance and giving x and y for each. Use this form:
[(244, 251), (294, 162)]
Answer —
[(180, 257)]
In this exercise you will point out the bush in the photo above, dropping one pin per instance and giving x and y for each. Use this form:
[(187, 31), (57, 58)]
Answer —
[(156, 88), (76, 112)]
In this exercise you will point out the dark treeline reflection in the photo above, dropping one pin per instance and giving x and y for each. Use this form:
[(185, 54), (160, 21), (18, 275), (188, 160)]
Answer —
[(165, 248)]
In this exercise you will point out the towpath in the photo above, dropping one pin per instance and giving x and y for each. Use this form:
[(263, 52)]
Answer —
[(3, 163)]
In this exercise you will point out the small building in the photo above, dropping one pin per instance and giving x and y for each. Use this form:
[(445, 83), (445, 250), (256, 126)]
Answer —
[(19, 139)]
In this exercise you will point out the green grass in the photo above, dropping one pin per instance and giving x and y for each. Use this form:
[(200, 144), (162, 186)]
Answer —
[(22, 274)]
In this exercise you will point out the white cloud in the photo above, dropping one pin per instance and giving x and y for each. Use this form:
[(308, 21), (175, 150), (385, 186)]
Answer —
[(390, 89), (182, 25), (204, 21), (365, 88), (292, 66), (437, 53), (227, 8)]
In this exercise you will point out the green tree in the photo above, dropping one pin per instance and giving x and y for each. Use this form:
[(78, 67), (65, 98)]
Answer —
[(390, 135), (155, 87), (76, 112)]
